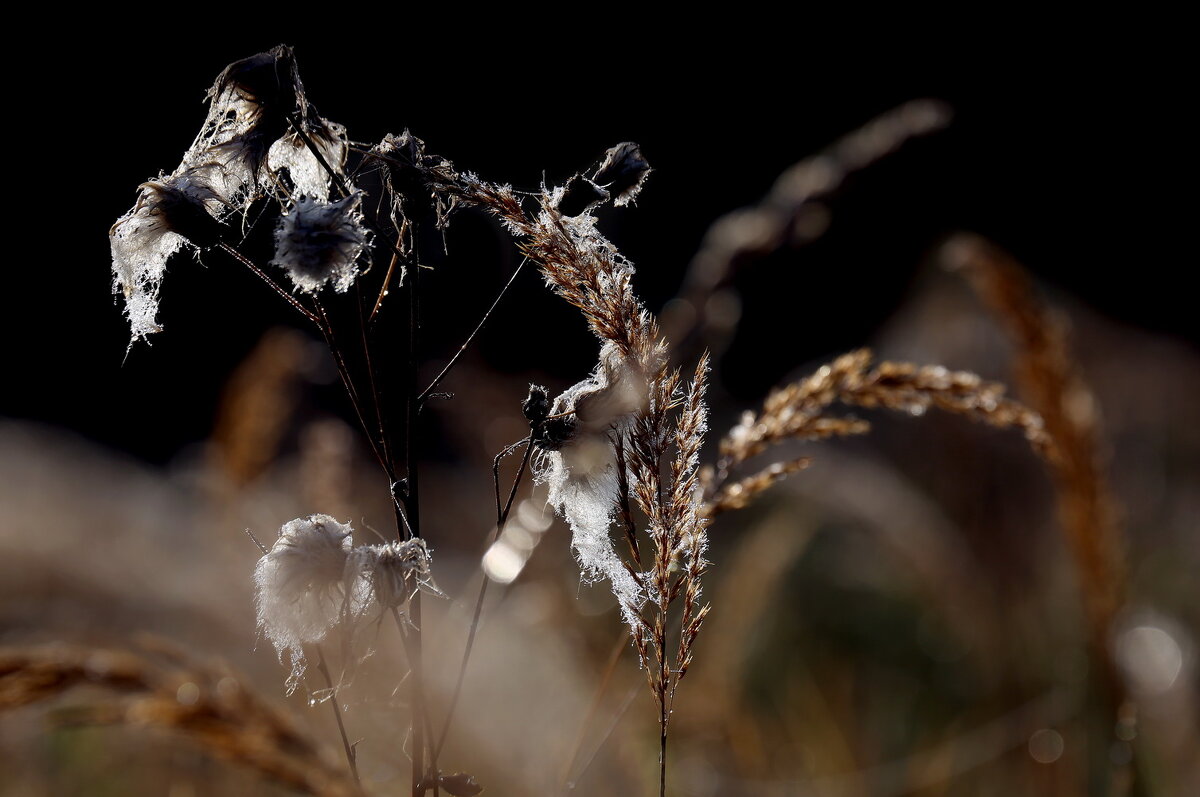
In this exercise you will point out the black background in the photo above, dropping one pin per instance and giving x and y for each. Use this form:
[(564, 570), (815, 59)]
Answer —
[(1069, 148)]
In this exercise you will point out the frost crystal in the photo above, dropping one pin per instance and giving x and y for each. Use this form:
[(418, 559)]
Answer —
[(582, 472), (298, 586), (318, 243)]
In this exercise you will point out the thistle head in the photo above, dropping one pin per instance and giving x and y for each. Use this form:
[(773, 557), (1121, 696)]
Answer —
[(319, 243)]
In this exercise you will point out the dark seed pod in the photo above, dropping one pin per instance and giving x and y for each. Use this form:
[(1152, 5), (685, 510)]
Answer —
[(554, 433), (537, 404), (622, 172)]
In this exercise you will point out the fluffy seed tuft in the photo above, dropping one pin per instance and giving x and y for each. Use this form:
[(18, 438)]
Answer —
[(388, 575), (319, 243), (298, 586)]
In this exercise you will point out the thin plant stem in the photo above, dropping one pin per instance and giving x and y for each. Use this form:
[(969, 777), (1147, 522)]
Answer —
[(605, 678), (432, 778), (662, 754), (437, 380), (387, 278), (351, 391), (418, 698), (351, 755), (383, 436), (608, 731), (412, 511), (275, 286), (501, 519), (321, 321)]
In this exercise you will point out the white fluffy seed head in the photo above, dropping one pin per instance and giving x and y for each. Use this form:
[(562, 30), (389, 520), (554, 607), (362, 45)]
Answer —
[(319, 243), (298, 586), (388, 575)]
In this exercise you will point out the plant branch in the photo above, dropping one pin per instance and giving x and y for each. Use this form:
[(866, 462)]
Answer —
[(351, 755), (275, 286), (501, 519), (437, 380), (605, 678), (412, 506)]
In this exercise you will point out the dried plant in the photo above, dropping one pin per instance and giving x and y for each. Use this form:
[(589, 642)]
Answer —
[(1047, 374), (794, 212), (160, 688), (300, 587), (1088, 514), (621, 447), (621, 424), (800, 411)]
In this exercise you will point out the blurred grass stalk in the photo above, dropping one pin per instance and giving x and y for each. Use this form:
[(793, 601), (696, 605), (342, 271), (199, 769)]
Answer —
[(1087, 511)]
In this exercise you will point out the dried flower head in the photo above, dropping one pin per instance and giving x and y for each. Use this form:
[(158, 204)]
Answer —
[(170, 212), (388, 575), (260, 125), (250, 104), (307, 167), (319, 243), (298, 585), (622, 173)]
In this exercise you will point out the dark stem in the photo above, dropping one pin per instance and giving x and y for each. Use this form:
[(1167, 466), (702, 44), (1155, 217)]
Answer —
[(431, 779), (351, 756), (437, 380), (412, 511), (275, 286), (662, 755), (387, 278), (342, 188), (418, 698), (351, 391), (321, 321), (377, 399), (501, 519)]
